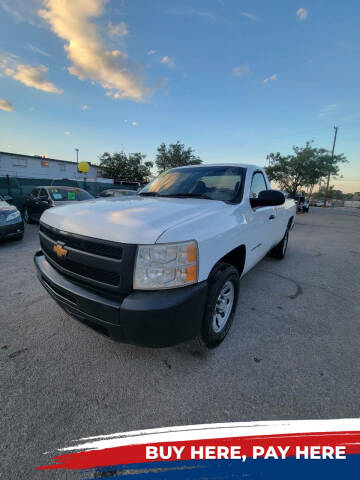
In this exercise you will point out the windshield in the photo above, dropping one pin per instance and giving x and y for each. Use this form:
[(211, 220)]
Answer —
[(212, 183), (62, 194)]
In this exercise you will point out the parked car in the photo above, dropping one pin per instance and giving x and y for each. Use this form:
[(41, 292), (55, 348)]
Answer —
[(11, 222), (116, 192), (320, 203), (128, 185), (42, 198), (164, 266), (302, 204)]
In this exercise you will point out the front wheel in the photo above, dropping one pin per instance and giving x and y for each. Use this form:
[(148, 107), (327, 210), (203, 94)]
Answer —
[(221, 304), (27, 217)]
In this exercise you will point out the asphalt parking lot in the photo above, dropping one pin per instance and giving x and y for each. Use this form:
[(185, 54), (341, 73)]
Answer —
[(292, 353)]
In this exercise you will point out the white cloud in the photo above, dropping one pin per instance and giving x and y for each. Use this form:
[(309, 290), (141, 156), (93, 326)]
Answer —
[(32, 77), (270, 79), (67, 132), (151, 52), (252, 17), (38, 50), (6, 105), (241, 70), (17, 16), (85, 107), (192, 12), (327, 110), (71, 21), (119, 30), (302, 13), (168, 61), (134, 124), (22, 11)]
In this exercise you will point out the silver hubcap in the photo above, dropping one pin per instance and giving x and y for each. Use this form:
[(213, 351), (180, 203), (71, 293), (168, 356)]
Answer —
[(223, 307)]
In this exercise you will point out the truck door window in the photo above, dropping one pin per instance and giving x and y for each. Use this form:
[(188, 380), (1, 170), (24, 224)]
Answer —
[(258, 184)]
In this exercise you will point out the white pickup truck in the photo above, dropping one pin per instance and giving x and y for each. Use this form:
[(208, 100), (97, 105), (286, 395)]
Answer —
[(164, 266)]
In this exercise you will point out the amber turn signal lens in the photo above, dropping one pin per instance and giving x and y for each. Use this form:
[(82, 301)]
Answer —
[(191, 253), (191, 274)]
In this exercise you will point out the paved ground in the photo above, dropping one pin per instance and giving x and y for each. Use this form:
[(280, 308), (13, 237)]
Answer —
[(293, 353)]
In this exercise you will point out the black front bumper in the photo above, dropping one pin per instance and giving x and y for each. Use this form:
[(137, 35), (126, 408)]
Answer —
[(12, 231), (147, 318)]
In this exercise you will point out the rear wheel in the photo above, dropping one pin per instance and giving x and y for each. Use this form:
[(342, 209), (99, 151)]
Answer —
[(279, 250), (221, 304)]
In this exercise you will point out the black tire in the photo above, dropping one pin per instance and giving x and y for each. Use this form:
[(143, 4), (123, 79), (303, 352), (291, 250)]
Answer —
[(27, 217), (18, 237), (280, 249), (222, 277)]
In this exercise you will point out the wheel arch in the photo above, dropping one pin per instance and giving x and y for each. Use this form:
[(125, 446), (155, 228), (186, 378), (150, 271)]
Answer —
[(235, 257)]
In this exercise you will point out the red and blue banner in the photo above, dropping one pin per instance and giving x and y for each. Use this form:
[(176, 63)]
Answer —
[(310, 449)]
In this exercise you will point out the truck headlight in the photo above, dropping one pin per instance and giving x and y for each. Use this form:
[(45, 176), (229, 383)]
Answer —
[(167, 265), (13, 215)]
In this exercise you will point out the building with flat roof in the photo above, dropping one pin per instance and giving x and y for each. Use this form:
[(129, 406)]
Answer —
[(36, 166)]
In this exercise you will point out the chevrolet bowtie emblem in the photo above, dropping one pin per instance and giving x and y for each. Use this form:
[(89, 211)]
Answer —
[(60, 250)]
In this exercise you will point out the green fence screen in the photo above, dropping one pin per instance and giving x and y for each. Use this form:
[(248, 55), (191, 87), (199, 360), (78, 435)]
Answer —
[(19, 188)]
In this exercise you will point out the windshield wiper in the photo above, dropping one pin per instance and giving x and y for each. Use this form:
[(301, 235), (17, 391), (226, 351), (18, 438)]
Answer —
[(149, 194), (188, 195)]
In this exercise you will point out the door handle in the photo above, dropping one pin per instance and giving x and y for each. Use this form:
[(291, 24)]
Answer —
[(272, 216)]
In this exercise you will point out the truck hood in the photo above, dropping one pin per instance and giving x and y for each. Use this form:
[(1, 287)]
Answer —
[(138, 220)]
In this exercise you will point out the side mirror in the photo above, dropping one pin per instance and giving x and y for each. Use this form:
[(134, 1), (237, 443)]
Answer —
[(268, 198), (44, 198)]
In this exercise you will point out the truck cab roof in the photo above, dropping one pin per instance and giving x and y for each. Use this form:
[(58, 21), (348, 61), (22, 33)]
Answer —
[(242, 165)]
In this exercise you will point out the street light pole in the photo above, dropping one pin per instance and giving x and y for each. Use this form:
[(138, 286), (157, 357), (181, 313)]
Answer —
[(332, 158), (77, 155)]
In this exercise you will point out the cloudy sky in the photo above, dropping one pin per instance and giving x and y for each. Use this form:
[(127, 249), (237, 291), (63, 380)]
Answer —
[(234, 79)]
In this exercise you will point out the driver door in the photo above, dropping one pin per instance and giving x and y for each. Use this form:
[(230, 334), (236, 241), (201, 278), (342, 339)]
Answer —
[(261, 222)]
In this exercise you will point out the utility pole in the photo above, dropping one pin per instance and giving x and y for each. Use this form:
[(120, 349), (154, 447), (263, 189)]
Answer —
[(77, 155), (332, 158)]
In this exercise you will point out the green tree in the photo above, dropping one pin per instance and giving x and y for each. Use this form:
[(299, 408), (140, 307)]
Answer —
[(306, 167), (332, 193), (175, 155), (130, 167)]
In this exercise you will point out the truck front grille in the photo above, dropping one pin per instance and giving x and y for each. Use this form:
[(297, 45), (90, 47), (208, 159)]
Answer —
[(99, 263), (103, 276), (98, 247)]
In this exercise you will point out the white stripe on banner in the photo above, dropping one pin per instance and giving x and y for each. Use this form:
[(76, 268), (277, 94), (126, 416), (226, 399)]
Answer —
[(214, 430)]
